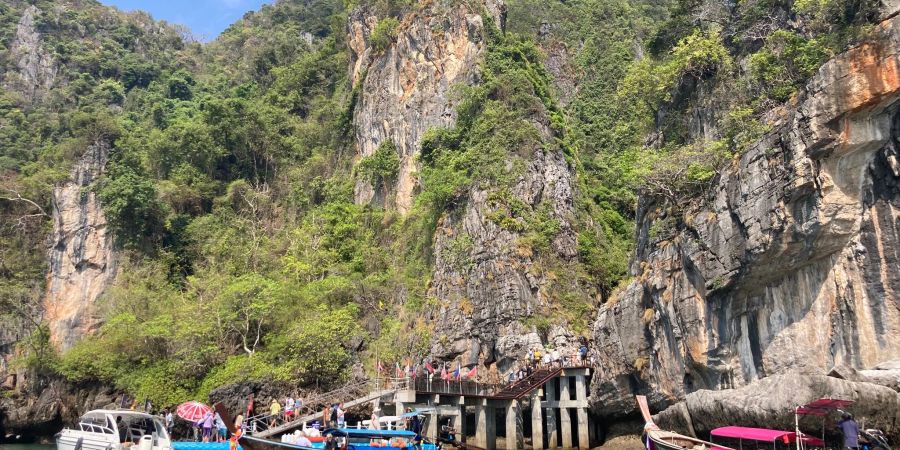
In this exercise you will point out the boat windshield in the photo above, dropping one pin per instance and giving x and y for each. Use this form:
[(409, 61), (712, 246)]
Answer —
[(96, 423), (132, 428)]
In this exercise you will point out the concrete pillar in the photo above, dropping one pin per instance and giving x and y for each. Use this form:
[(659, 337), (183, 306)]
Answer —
[(459, 422), (584, 431), (399, 408), (537, 422), (584, 437), (565, 421), (514, 437), (485, 426), (434, 420), (550, 415)]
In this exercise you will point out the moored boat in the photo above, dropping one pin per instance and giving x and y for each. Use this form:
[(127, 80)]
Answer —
[(253, 443), (361, 439), (658, 439), (115, 430)]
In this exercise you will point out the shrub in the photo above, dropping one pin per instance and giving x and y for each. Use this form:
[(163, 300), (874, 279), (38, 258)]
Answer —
[(786, 61), (384, 34), (382, 167)]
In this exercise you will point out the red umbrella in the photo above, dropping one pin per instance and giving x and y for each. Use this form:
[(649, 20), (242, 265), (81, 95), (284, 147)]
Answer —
[(192, 411)]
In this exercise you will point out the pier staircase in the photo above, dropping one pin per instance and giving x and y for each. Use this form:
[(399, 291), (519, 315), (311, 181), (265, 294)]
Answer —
[(351, 395), (527, 385)]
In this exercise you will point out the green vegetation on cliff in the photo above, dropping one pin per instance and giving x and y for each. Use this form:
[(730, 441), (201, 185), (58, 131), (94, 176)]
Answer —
[(230, 181)]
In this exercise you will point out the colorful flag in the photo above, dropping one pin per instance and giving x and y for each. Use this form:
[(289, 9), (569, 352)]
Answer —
[(379, 368), (457, 372), (429, 368), (408, 369), (444, 372), (399, 371), (472, 372)]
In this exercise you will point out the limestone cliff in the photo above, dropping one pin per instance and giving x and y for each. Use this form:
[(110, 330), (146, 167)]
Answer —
[(408, 88), (486, 281), (791, 263), (489, 282), (32, 70), (82, 260)]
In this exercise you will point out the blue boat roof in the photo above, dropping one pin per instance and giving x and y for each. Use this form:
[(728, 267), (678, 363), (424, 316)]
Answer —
[(364, 433)]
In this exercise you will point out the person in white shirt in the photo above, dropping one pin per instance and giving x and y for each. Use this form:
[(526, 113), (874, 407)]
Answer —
[(303, 441), (289, 409)]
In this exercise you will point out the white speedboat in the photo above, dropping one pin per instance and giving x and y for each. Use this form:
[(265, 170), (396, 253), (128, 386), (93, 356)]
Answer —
[(115, 430)]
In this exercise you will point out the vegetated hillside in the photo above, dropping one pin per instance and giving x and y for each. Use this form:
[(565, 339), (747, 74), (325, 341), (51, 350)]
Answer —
[(254, 193), (69, 72)]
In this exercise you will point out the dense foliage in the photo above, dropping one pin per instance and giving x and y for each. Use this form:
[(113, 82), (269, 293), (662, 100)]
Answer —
[(230, 180)]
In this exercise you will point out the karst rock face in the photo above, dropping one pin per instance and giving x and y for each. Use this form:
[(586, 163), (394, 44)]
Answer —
[(488, 283), (32, 70), (792, 261), (82, 257), (408, 87)]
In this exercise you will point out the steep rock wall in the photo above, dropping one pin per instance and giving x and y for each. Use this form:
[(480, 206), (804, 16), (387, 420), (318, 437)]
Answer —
[(82, 259), (32, 70), (489, 283), (407, 90), (789, 264)]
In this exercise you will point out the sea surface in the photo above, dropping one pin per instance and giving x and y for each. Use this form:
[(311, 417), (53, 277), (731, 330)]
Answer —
[(27, 447)]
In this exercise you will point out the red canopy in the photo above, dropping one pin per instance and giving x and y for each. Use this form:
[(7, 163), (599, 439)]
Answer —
[(823, 406), (763, 435)]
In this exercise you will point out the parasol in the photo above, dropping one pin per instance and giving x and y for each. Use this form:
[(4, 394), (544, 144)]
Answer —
[(192, 411)]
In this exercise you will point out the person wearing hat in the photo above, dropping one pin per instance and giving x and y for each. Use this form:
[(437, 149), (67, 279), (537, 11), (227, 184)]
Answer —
[(275, 409)]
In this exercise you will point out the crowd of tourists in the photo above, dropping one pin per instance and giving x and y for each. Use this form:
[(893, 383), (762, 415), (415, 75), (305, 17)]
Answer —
[(287, 410)]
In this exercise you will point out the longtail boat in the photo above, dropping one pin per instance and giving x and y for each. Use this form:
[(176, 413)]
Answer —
[(657, 439), (249, 442)]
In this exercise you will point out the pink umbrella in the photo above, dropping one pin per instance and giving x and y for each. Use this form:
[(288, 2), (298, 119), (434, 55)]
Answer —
[(192, 411)]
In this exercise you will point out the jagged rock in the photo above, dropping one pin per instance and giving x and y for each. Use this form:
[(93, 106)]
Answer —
[(407, 89), (885, 374), (486, 281), (770, 403), (82, 259), (789, 264), (55, 403), (34, 70)]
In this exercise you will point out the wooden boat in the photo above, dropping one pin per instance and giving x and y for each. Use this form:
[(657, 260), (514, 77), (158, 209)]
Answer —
[(657, 439), (250, 442)]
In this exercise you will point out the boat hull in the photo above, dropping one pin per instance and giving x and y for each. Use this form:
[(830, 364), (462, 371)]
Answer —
[(665, 440), (252, 443), (66, 441)]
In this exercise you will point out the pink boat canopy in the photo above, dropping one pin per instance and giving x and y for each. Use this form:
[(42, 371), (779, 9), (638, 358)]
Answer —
[(764, 435)]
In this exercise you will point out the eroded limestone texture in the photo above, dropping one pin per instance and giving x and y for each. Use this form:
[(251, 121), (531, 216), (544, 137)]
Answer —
[(82, 259), (790, 264)]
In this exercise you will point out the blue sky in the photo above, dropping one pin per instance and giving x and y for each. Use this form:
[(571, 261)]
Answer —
[(206, 18)]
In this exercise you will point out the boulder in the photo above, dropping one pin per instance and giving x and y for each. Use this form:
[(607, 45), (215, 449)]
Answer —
[(770, 403)]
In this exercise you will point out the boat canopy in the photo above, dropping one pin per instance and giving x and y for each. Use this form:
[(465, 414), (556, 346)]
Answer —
[(822, 406), (369, 434), (764, 435)]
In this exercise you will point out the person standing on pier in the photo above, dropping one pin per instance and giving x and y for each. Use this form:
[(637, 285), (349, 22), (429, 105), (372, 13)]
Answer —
[(275, 409)]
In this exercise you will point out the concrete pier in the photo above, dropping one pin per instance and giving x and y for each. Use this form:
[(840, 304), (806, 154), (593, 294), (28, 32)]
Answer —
[(554, 398)]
